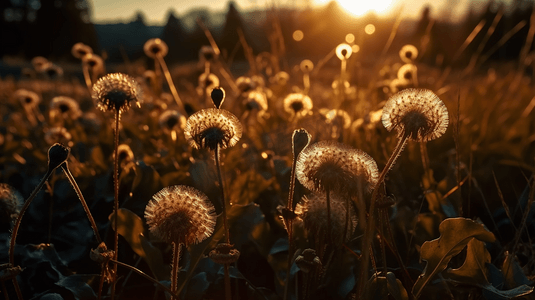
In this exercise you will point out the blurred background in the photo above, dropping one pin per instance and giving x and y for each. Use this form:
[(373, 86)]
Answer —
[(309, 28)]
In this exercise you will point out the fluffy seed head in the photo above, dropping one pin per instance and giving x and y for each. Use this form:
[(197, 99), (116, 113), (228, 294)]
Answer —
[(66, 106), (115, 91), (180, 214), (407, 73), (57, 134), (93, 62), (408, 53), (10, 203), (39, 62), (79, 50), (312, 210), (336, 117), (306, 66), (155, 47), (417, 114), (212, 127), (27, 98), (256, 100), (333, 166), (343, 51), (297, 104), (172, 120)]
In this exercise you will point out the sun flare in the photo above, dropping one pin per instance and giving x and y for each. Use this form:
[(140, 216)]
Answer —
[(361, 7)]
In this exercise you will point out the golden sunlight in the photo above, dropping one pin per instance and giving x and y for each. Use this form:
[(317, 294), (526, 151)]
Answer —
[(359, 7)]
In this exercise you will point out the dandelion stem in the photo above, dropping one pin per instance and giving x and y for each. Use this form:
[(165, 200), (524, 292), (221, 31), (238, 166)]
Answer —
[(4, 290), (223, 202), (289, 224), (174, 272), (328, 198), (170, 82), (370, 225), (87, 78), (116, 200), (76, 188), (228, 294)]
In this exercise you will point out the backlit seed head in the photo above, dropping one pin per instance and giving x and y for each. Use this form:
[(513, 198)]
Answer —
[(245, 84), (207, 53), (408, 53), (408, 73), (208, 81), (52, 71), (155, 47), (280, 78), (256, 100), (66, 106), (306, 66), (336, 117), (417, 114), (333, 166), (115, 92), (27, 98), (57, 135), (79, 50), (172, 120), (212, 127), (343, 51), (39, 62), (297, 104), (57, 155), (180, 214), (218, 96), (10, 203), (125, 154), (312, 210)]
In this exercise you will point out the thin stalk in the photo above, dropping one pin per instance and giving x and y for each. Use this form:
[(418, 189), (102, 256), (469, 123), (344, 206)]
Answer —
[(116, 200), (4, 290), (138, 271), (289, 224), (223, 202), (16, 227), (87, 78), (228, 294), (328, 198), (370, 226), (174, 271), (170, 81), (71, 179)]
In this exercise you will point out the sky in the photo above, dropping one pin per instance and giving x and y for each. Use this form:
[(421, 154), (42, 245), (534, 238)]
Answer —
[(155, 11)]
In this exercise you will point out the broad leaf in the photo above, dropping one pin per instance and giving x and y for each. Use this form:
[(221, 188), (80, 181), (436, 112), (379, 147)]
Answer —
[(513, 273), (492, 293), (455, 234), (78, 285), (130, 226), (474, 269)]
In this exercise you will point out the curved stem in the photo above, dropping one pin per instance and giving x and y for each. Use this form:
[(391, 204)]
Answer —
[(223, 202), (17, 288), (170, 82), (174, 270), (289, 224), (116, 200), (138, 271), (76, 188), (87, 78), (370, 225)]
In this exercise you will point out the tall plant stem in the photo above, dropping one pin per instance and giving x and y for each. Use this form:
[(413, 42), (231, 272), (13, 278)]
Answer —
[(116, 200), (328, 198), (71, 179), (4, 290), (17, 226), (223, 202), (170, 82), (174, 271), (289, 224), (228, 294), (370, 225), (87, 78)]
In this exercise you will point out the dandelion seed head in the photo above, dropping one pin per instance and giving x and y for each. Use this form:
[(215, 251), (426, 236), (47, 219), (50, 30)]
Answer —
[(155, 47), (172, 120), (212, 127), (416, 113), (27, 98), (408, 53), (10, 203), (79, 50), (67, 106), (329, 165), (116, 91), (180, 214), (297, 104)]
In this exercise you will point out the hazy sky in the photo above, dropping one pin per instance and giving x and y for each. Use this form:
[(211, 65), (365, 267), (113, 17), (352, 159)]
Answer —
[(156, 10)]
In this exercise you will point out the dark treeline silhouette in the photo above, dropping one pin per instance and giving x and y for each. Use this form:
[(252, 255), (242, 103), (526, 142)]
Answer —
[(31, 27)]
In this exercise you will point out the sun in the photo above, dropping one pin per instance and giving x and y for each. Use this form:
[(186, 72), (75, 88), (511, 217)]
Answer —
[(361, 7)]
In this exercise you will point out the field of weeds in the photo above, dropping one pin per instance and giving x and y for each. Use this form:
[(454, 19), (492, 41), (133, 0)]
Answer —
[(337, 178)]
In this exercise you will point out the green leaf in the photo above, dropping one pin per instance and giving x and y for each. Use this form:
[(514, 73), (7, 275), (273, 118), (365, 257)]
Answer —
[(492, 293), (78, 285), (130, 226), (455, 234), (474, 269)]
